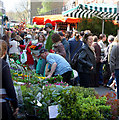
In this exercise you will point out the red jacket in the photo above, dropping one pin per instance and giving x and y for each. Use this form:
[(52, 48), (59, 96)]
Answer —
[(30, 60)]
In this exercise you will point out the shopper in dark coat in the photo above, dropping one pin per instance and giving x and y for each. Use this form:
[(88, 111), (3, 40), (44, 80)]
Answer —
[(98, 59), (7, 89), (75, 44), (66, 45), (86, 61)]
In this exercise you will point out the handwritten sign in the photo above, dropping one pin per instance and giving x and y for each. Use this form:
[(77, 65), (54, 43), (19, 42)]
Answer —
[(53, 111)]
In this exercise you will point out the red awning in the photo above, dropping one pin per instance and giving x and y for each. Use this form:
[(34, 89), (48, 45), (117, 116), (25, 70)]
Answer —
[(41, 20)]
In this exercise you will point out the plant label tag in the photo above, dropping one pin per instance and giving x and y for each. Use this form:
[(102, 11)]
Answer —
[(53, 111)]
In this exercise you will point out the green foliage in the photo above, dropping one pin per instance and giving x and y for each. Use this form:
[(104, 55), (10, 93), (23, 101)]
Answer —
[(32, 97), (81, 104), (95, 25), (37, 98), (74, 102), (46, 7), (110, 28), (1, 14), (55, 79)]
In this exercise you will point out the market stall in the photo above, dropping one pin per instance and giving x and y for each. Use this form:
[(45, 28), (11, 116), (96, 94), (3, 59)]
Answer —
[(59, 22), (101, 11)]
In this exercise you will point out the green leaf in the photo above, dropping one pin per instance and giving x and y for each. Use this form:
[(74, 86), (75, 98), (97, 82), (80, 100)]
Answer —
[(44, 104), (59, 87)]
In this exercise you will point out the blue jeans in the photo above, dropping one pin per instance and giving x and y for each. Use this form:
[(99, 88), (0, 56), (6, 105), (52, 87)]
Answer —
[(117, 80), (100, 74), (110, 80)]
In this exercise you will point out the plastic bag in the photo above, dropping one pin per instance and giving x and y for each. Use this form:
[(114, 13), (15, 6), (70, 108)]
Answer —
[(23, 57)]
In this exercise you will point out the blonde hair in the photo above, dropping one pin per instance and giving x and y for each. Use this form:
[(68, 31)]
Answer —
[(3, 48), (87, 31), (116, 40)]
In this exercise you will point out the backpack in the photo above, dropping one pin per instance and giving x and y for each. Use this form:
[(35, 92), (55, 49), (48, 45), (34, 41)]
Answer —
[(74, 60)]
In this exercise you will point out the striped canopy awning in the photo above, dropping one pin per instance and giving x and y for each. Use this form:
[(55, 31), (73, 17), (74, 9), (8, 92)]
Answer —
[(102, 11)]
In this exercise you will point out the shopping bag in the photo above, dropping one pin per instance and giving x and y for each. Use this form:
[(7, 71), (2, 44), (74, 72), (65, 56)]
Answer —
[(74, 74), (23, 57)]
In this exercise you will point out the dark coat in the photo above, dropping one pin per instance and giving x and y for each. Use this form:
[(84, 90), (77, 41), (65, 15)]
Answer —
[(97, 52), (7, 83), (86, 60), (67, 48), (74, 46)]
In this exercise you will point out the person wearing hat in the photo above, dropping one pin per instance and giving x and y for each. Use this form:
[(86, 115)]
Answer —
[(49, 43), (27, 38), (66, 45), (59, 66)]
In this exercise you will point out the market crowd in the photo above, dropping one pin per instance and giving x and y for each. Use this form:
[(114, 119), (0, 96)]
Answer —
[(51, 53)]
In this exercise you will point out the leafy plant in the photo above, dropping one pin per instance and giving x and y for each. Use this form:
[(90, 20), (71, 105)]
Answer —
[(37, 98), (81, 103)]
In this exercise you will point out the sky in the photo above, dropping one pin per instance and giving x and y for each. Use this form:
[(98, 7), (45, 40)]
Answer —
[(10, 4)]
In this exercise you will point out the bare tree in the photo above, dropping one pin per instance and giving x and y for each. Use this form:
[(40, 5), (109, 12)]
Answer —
[(21, 11)]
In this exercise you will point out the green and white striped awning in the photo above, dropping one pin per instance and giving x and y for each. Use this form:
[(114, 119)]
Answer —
[(102, 11)]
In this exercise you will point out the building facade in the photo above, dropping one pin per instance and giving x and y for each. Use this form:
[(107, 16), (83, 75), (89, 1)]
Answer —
[(34, 5), (2, 11), (72, 3)]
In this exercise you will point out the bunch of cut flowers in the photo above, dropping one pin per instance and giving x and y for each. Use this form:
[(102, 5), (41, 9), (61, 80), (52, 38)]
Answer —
[(37, 46)]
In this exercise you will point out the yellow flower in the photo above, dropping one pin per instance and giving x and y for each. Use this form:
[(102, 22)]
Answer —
[(41, 77), (14, 73), (20, 74)]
